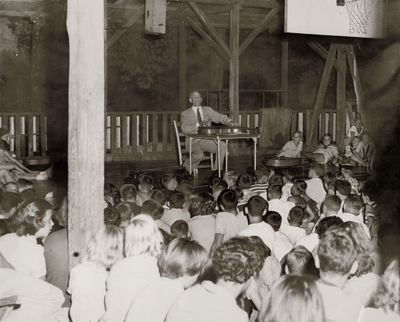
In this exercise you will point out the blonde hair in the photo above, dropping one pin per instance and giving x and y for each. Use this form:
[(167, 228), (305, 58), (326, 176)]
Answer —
[(106, 247), (293, 298), (387, 295), (142, 237), (300, 133)]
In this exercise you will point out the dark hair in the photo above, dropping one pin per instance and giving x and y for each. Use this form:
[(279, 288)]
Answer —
[(27, 194), (128, 192), (176, 199), (344, 187), (326, 223), (296, 215), (24, 184), (186, 187), (318, 168), (152, 208), (353, 204), (29, 216), (332, 203), (180, 228), (237, 260), (213, 180), (328, 177), (125, 211), (146, 181), (4, 145), (227, 199), (167, 178), (274, 191), (276, 179), (300, 185), (112, 216), (10, 201), (274, 219), (300, 261), (289, 174), (160, 196), (202, 204), (256, 206), (245, 180), (238, 190)]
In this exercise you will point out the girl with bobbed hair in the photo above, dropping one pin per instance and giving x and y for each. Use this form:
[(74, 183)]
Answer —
[(293, 298), (142, 246), (363, 283), (31, 220), (87, 283)]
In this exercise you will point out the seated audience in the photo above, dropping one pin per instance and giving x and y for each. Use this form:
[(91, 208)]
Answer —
[(126, 214), (23, 184), (169, 182), (296, 217), (154, 209), (315, 187), (244, 182), (230, 177), (300, 261), (179, 264), (275, 203), (234, 262), (112, 216), (343, 189), (145, 189), (187, 188), (161, 196), (128, 194), (176, 212), (288, 181), (180, 229)]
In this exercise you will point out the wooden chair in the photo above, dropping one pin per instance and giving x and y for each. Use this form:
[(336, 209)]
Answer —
[(183, 153)]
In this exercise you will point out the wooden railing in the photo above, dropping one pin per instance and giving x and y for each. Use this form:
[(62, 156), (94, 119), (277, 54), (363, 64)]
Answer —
[(30, 134), (150, 136)]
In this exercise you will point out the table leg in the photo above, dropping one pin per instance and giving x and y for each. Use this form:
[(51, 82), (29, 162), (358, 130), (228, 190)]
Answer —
[(226, 156), (190, 155), (255, 153), (218, 157)]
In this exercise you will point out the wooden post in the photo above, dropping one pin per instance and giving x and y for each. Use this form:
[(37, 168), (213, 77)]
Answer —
[(86, 29), (216, 77), (234, 18), (182, 66), (321, 94), (356, 77), (285, 69), (341, 95)]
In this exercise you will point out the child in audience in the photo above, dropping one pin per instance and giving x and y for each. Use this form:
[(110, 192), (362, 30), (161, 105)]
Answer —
[(244, 182), (112, 216), (366, 149), (217, 188), (283, 245), (187, 188), (9, 204), (229, 221), (145, 189), (355, 130), (275, 203), (154, 209), (180, 229), (28, 194), (343, 189), (351, 155), (169, 182), (292, 149), (261, 184), (275, 179), (143, 244), (87, 283), (176, 212), (230, 177), (11, 187), (126, 214), (288, 180), (160, 195), (32, 220), (348, 175), (296, 217), (235, 262), (239, 194), (326, 178), (202, 223), (352, 211), (369, 193), (387, 297), (363, 283), (300, 261), (326, 151), (315, 187), (179, 264), (337, 260), (297, 190), (128, 194), (293, 298)]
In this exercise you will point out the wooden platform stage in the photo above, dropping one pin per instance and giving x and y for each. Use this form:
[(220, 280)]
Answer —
[(116, 172)]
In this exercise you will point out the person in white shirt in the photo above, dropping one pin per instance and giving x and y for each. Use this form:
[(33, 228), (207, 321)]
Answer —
[(180, 264), (315, 186), (176, 212), (300, 261), (275, 203), (342, 190), (296, 217)]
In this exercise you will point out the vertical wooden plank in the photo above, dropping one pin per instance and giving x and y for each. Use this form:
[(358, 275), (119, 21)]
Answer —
[(330, 124), (285, 72), (293, 122), (182, 66), (234, 17), (86, 29), (42, 123), (341, 94), (155, 16), (356, 77), (17, 134), (166, 128), (30, 135), (155, 132), (321, 93), (135, 131), (124, 140)]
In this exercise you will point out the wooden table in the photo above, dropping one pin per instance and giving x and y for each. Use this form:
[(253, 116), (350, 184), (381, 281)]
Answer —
[(217, 137)]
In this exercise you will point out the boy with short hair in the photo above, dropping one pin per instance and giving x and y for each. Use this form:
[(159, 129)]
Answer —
[(315, 187), (160, 196), (296, 217), (275, 203), (343, 189), (180, 229), (230, 177), (300, 261), (244, 182), (283, 245), (145, 189), (235, 262), (169, 182), (176, 211), (126, 213), (128, 194), (336, 260), (187, 188), (352, 207)]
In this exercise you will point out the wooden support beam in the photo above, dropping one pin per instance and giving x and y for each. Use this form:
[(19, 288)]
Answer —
[(210, 41), (322, 52), (285, 72), (321, 94), (208, 26), (155, 17), (257, 30), (118, 34), (86, 28), (182, 66), (341, 95), (351, 58), (268, 4), (234, 29)]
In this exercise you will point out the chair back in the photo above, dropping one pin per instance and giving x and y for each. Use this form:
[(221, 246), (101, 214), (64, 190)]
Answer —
[(180, 141)]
